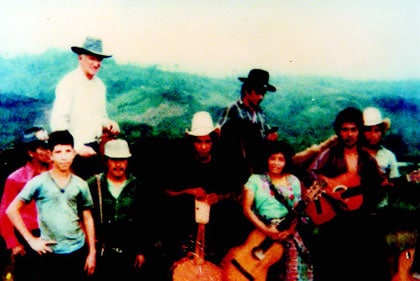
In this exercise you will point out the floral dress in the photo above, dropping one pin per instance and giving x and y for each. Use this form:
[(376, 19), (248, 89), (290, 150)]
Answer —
[(297, 262)]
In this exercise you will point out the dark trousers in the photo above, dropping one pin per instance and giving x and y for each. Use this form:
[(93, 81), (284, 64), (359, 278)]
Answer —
[(26, 267), (64, 267), (117, 265)]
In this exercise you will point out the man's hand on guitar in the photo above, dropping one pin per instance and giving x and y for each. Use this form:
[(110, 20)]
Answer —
[(414, 176)]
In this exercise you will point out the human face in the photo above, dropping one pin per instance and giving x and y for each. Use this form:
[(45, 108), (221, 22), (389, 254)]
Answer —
[(117, 167), (62, 157), (349, 133), (202, 147), (90, 65), (276, 163), (373, 135), (255, 97), (41, 155)]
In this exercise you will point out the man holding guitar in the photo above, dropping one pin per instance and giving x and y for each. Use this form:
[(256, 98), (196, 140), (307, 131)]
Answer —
[(274, 250), (352, 186)]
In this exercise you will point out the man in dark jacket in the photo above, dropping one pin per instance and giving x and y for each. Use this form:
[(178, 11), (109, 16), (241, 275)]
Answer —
[(120, 217)]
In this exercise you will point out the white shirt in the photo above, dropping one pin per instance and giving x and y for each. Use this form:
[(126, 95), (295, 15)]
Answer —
[(80, 107), (387, 162)]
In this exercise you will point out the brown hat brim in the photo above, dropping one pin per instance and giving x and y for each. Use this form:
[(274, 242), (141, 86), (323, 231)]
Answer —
[(83, 51)]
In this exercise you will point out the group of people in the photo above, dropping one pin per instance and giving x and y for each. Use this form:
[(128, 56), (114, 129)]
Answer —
[(77, 211)]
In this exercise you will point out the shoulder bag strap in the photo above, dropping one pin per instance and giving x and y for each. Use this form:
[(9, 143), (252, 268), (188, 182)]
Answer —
[(278, 196), (98, 182)]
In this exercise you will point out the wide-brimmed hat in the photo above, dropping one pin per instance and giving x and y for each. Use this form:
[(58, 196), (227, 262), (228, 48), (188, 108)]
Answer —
[(258, 78), (117, 149), (201, 125), (372, 117), (91, 46)]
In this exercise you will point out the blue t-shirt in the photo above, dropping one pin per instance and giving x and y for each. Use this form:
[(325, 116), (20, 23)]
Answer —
[(59, 210), (266, 204)]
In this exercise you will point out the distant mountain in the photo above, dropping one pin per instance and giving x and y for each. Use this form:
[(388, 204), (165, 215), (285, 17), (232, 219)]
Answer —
[(148, 102)]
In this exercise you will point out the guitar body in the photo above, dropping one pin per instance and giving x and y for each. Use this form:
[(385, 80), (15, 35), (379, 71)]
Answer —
[(320, 210), (242, 264), (191, 269), (340, 192), (345, 186)]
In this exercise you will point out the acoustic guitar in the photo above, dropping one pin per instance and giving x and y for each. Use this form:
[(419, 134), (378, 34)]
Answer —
[(341, 193), (252, 259), (194, 267)]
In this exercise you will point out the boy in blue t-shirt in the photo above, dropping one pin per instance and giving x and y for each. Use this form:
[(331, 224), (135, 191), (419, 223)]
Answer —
[(63, 201)]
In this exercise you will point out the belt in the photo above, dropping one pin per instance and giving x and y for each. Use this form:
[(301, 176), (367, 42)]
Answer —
[(117, 250)]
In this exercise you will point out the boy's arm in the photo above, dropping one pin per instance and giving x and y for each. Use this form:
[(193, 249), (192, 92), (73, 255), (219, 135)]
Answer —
[(90, 237), (37, 244)]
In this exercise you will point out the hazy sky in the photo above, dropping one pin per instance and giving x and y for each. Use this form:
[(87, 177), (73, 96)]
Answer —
[(356, 39)]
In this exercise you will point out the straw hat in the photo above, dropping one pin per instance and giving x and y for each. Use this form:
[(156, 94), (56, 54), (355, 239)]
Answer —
[(117, 149), (372, 117), (201, 125)]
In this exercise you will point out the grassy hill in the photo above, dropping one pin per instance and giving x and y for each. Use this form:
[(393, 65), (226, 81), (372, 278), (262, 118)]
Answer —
[(148, 102)]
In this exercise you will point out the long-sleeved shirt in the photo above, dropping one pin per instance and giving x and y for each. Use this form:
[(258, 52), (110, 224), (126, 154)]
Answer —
[(14, 184), (243, 134), (121, 222), (80, 107)]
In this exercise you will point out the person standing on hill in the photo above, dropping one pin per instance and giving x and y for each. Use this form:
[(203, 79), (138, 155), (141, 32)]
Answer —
[(347, 245), (25, 260), (121, 217), (243, 127), (199, 175), (80, 107), (66, 244)]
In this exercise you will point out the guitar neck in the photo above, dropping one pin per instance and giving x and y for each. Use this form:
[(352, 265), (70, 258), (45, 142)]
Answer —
[(199, 243)]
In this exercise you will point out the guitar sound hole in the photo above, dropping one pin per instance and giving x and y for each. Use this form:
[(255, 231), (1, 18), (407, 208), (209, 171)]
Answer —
[(258, 253), (339, 188)]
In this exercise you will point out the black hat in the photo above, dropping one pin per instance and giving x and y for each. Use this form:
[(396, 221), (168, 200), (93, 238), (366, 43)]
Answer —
[(258, 78), (34, 137), (91, 46)]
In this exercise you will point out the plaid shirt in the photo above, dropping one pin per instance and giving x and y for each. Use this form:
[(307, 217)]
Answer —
[(243, 135)]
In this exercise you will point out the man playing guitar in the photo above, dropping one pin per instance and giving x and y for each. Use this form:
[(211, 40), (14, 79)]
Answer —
[(353, 187)]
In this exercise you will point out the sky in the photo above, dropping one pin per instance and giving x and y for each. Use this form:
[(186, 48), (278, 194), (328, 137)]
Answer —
[(352, 39)]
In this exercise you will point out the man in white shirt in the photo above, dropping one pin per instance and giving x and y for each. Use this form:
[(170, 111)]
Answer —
[(80, 107)]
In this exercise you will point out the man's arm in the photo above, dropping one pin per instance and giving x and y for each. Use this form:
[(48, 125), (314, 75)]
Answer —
[(60, 113)]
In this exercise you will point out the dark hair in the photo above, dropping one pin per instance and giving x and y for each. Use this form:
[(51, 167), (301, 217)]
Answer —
[(60, 137), (280, 147), (349, 115), (248, 87)]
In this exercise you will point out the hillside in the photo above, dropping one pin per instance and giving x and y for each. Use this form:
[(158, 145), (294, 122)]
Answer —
[(148, 102)]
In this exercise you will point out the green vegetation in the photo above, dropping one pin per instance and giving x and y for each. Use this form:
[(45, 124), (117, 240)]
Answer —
[(148, 102)]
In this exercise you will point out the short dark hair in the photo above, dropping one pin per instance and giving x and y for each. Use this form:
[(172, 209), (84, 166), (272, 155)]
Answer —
[(349, 115), (60, 137), (283, 147)]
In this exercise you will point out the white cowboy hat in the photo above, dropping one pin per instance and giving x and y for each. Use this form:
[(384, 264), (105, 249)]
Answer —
[(201, 125), (372, 117)]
